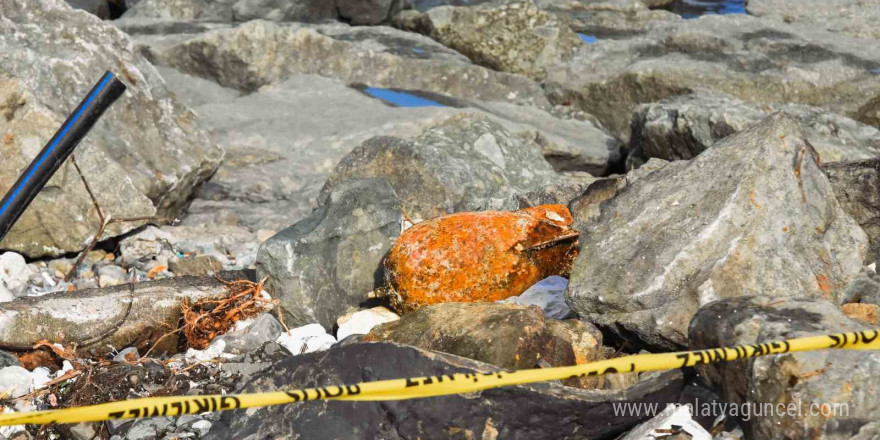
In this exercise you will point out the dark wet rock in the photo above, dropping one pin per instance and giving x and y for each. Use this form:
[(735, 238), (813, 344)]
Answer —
[(8, 360), (857, 186), (835, 378), (144, 157), (368, 12), (509, 336), (457, 165), (863, 289), (99, 8), (325, 265), (753, 215), (515, 37), (855, 18), (684, 126), (260, 53), (754, 60), (526, 411)]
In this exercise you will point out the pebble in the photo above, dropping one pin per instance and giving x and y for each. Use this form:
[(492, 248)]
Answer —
[(202, 426), (111, 276), (123, 355), (14, 273), (360, 323), (306, 339)]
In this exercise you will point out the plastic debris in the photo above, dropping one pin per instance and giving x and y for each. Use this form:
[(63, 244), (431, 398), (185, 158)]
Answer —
[(306, 339), (360, 323)]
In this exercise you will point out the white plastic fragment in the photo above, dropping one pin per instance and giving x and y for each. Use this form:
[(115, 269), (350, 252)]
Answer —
[(360, 323), (306, 339), (214, 351), (674, 415)]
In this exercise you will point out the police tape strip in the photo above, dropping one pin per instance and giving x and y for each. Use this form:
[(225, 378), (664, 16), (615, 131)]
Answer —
[(411, 388)]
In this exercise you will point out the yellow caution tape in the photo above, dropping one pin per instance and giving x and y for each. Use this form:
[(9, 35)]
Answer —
[(411, 388)]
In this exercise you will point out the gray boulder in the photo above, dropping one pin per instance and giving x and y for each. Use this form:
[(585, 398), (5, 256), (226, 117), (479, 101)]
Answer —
[(515, 37), (357, 12), (855, 18), (283, 141), (841, 381), (260, 53), (457, 165), (857, 186), (145, 156), (541, 410), (324, 266), (753, 215), (683, 126), (755, 60)]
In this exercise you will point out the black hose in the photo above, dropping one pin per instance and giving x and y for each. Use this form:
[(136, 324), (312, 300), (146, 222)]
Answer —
[(56, 151)]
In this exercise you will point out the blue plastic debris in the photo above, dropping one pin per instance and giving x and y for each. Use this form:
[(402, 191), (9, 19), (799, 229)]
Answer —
[(589, 39), (400, 99)]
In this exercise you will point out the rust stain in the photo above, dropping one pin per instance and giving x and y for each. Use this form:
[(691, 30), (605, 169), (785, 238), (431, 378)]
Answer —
[(823, 283), (785, 229), (8, 137), (479, 256), (753, 197)]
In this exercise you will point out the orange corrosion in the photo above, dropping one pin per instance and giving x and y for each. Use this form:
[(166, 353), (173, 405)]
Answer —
[(479, 256)]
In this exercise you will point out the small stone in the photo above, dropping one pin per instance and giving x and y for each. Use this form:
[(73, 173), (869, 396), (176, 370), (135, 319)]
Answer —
[(14, 273), (111, 276), (196, 266), (362, 322), (82, 431), (202, 426), (263, 329), (862, 311)]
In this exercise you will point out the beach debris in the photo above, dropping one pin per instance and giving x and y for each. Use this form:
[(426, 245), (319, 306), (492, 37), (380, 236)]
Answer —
[(478, 256)]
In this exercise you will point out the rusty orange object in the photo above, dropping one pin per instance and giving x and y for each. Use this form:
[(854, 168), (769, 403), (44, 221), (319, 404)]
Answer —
[(479, 256)]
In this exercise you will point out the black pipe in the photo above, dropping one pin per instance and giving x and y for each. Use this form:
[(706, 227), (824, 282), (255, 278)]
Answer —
[(56, 151)]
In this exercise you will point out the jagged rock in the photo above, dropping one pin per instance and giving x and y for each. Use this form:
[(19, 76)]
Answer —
[(265, 328), (510, 336), (517, 412), (144, 157), (684, 126), (560, 194), (755, 60), (455, 166), (832, 378), (855, 18), (864, 288), (234, 10), (857, 186), (357, 12), (94, 317), (267, 181), (515, 37), (753, 215), (325, 265), (260, 53)]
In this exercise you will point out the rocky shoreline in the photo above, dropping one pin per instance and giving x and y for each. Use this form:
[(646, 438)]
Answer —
[(720, 168)]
